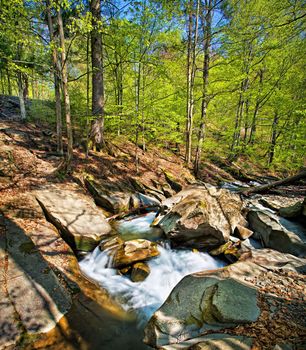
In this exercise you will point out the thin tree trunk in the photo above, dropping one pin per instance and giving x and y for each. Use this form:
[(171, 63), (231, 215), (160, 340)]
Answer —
[(207, 40), (65, 89), (2, 82), (256, 110), (188, 76), (191, 70), (87, 95), (9, 85), (23, 113), (142, 111), (273, 138), (56, 75), (96, 134)]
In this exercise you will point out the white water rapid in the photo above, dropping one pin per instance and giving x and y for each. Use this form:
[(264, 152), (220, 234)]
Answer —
[(146, 297)]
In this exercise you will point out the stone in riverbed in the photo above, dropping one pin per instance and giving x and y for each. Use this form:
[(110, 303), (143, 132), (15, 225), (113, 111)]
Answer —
[(79, 221), (268, 229), (293, 211), (232, 302), (133, 251), (108, 196), (200, 216), (140, 271)]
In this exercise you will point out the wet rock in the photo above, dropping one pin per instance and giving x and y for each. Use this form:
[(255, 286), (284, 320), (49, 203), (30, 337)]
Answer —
[(140, 271), (111, 243), (293, 211), (200, 216), (139, 200), (108, 196), (242, 232), (133, 251), (80, 223), (231, 251), (268, 229)]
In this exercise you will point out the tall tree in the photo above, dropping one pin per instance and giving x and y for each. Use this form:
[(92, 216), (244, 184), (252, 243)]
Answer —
[(191, 70), (64, 79), (96, 133), (56, 74), (207, 32)]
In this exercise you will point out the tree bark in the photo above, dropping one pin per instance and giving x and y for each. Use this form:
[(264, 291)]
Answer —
[(97, 109), (191, 69), (273, 138), (207, 40), (56, 75), (64, 76), (188, 76), (264, 188), (9, 85), (20, 84)]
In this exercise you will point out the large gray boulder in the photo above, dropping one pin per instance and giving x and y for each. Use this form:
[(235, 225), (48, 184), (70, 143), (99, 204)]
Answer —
[(200, 216), (206, 301), (209, 301), (108, 196), (79, 221), (269, 230)]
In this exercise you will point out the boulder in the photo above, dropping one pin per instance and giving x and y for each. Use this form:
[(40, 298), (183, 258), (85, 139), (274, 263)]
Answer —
[(133, 251), (200, 216), (275, 202), (140, 271), (218, 341), (209, 301), (140, 200), (204, 302), (293, 211), (80, 223), (108, 196), (268, 229), (242, 232), (272, 259), (172, 181)]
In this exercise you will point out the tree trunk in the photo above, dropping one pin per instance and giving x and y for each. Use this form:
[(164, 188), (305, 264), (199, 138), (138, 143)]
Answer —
[(56, 75), (188, 76), (64, 79), (9, 85), (207, 40), (87, 95), (96, 133), (273, 138), (23, 113), (256, 110), (191, 69), (264, 188)]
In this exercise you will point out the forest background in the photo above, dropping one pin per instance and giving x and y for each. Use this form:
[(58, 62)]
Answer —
[(204, 78)]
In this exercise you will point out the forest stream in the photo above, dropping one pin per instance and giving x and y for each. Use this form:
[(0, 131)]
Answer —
[(144, 298)]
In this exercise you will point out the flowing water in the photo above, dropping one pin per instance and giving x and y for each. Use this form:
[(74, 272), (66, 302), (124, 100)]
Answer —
[(167, 270)]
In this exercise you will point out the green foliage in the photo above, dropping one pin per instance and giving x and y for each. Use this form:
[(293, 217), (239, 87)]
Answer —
[(257, 61)]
